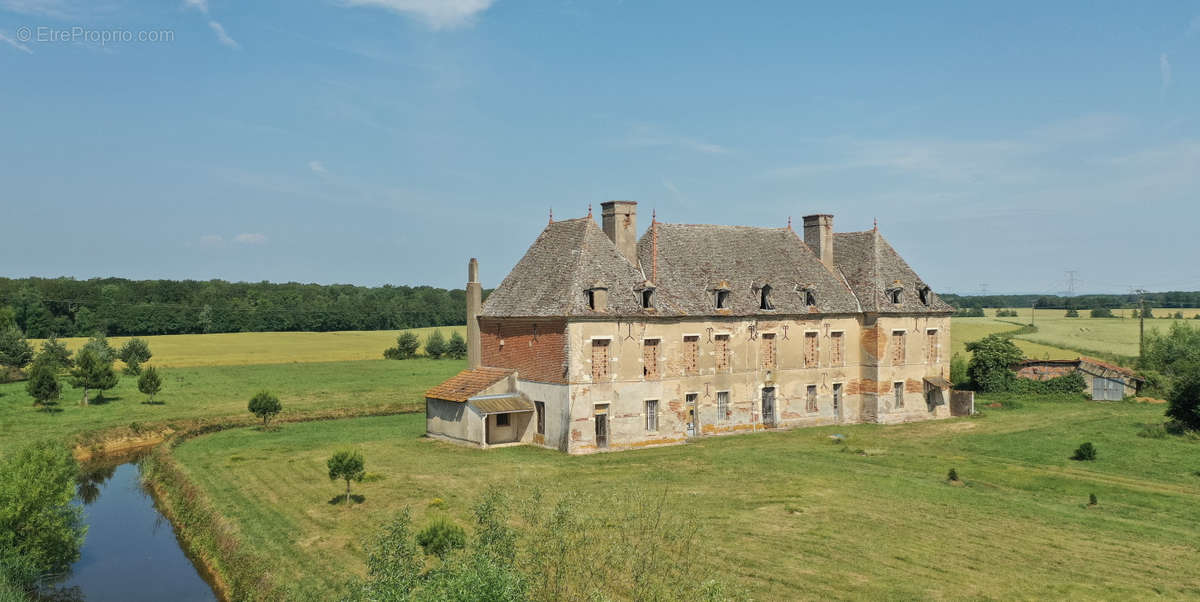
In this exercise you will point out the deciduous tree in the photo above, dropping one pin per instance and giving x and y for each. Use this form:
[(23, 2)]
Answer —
[(266, 406), (991, 366), (1184, 399), (39, 526), (348, 466)]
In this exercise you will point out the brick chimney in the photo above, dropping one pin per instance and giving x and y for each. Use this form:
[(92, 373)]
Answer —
[(619, 220), (818, 233), (474, 304)]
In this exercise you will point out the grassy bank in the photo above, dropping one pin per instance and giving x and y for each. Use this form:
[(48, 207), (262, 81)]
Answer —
[(217, 392), (805, 519), (246, 348)]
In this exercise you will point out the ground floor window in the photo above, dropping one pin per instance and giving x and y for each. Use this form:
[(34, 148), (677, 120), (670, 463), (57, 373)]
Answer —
[(810, 404), (501, 419), (652, 414), (541, 416), (899, 388), (722, 406)]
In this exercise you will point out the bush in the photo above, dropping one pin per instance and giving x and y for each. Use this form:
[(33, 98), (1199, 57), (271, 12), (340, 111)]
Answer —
[(1092, 501), (435, 345), (40, 529), (991, 366), (1183, 403), (958, 370), (150, 383), (1102, 312), (1178, 315), (265, 405), (1067, 384), (43, 384), (1085, 452), (952, 475), (442, 537), (15, 351), (1006, 313), (457, 347), (1072, 313), (406, 347), (969, 312), (1173, 351), (134, 353)]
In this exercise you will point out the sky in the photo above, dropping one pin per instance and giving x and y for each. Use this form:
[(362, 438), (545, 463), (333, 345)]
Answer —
[(374, 142)]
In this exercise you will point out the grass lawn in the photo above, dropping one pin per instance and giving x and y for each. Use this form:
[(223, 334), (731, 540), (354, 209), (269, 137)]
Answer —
[(221, 391), (965, 330), (786, 514), (241, 348)]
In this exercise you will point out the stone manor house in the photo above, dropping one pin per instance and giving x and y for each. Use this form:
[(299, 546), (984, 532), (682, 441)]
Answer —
[(599, 340)]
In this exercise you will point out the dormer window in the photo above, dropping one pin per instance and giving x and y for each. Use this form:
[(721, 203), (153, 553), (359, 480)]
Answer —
[(925, 294), (722, 299), (597, 297), (809, 298), (894, 295), (591, 300), (764, 298), (647, 298)]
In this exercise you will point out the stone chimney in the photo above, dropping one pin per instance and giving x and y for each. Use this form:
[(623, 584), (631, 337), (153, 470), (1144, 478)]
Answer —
[(619, 219), (818, 233), (474, 304)]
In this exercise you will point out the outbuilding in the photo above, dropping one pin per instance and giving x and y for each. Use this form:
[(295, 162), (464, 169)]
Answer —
[(1104, 381)]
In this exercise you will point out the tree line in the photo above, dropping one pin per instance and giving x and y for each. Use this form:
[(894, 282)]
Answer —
[(66, 307), (1172, 299)]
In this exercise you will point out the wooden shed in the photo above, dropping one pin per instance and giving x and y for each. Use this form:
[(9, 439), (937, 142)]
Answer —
[(1104, 381)]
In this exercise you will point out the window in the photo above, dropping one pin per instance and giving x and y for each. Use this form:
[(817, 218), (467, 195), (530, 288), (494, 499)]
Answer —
[(722, 406), (599, 359), (810, 299), (812, 352), (810, 404), (899, 390), (932, 335), (650, 359), (837, 399), (722, 299), (648, 298), (768, 351), (764, 298), (691, 355), (501, 419), (837, 355), (722, 352), (540, 406), (652, 414), (897, 347), (925, 294), (894, 295), (591, 300)]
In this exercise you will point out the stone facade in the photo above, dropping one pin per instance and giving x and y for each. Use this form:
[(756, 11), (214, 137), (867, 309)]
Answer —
[(709, 330)]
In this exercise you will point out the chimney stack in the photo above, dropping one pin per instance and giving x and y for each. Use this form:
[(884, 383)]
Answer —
[(474, 304), (818, 234), (619, 220)]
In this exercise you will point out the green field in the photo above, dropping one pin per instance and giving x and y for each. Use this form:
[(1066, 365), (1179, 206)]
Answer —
[(241, 348), (1116, 336), (786, 515)]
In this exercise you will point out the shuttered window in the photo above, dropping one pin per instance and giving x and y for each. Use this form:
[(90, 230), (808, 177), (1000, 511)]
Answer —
[(899, 389), (932, 335), (897, 347), (691, 354), (810, 404), (722, 406), (812, 354), (768, 351), (721, 349), (599, 359), (837, 353), (650, 359)]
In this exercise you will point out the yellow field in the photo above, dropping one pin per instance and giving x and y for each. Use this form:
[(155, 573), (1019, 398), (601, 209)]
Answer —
[(1117, 336), (244, 348), (965, 330)]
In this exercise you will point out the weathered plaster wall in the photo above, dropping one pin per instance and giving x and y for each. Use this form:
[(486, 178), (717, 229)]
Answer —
[(452, 420), (557, 400)]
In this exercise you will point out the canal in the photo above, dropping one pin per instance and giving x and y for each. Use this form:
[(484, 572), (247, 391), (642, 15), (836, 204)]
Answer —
[(131, 552)]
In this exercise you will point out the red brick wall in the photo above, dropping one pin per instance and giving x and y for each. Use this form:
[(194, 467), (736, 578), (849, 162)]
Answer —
[(536, 349), (1045, 371)]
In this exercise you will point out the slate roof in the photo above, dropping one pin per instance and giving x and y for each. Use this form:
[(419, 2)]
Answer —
[(694, 260), (571, 256), (468, 383), (872, 268), (567, 258)]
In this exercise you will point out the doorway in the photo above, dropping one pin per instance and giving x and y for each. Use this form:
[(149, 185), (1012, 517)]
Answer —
[(602, 426), (837, 402), (768, 406), (690, 403)]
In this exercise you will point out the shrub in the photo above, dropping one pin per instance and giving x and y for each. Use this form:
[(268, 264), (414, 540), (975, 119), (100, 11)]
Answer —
[(442, 537), (265, 405), (1183, 404), (1092, 501), (435, 345), (1102, 312), (1172, 352), (1006, 313), (456, 348), (969, 312), (1178, 315), (40, 529), (1067, 384), (134, 353), (150, 382), (1085, 452), (406, 347), (952, 475), (15, 351), (1072, 313), (958, 370), (43, 384), (991, 366)]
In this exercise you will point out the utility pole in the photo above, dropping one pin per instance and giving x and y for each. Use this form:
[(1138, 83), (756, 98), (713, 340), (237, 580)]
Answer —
[(1033, 314), (1141, 293), (1071, 282)]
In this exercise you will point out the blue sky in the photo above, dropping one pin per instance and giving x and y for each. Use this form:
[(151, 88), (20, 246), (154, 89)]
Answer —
[(387, 141)]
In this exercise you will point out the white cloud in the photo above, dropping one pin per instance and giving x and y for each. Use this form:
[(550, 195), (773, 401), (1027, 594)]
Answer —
[(648, 136), (248, 238), (1164, 69), (223, 37), (438, 14), (317, 167), (200, 5), (212, 240), (15, 44)]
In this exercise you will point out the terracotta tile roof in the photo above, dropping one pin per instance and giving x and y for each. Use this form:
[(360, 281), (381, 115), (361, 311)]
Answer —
[(1082, 360), (1108, 366), (468, 383)]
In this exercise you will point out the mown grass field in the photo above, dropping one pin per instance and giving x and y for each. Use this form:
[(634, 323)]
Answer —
[(1118, 336), (224, 391), (965, 330), (242, 348), (787, 515)]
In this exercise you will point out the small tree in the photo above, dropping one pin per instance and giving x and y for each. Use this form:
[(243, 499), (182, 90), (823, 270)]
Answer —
[(15, 352), (43, 384), (266, 406), (150, 382), (991, 366), (1085, 452), (1072, 313), (1183, 402), (346, 465), (134, 353), (406, 347), (92, 371), (1102, 312), (442, 537), (457, 347), (952, 475), (435, 345), (54, 353), (99, 344)]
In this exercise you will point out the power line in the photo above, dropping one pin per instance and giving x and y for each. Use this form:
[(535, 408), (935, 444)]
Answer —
[(1071, 282)]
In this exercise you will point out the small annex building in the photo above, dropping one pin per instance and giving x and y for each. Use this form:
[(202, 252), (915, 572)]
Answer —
[(601, 339), (1103, 381)]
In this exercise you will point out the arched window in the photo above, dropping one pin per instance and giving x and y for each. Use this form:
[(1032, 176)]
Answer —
[(764, 297)]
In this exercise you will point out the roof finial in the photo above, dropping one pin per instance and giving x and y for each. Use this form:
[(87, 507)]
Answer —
[(653, 216), (876, 224), (552, 215), (589, 211), (789, 222)]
